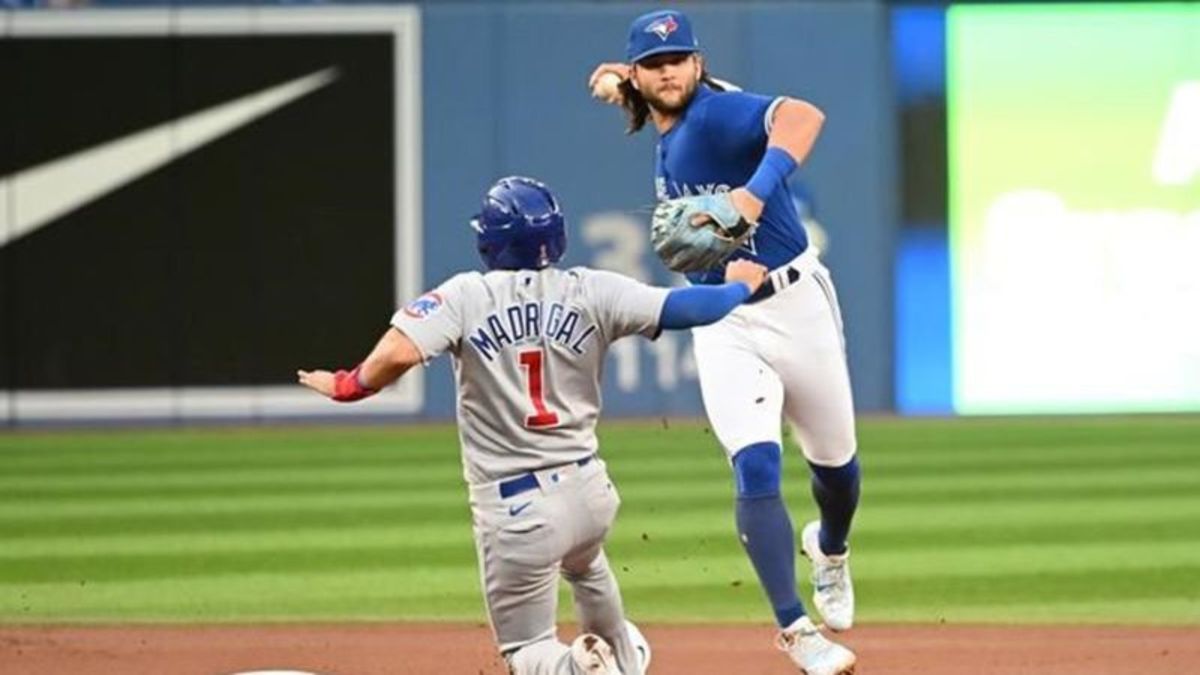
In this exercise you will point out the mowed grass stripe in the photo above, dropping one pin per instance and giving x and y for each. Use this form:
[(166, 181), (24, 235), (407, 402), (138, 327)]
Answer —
[(206, 500), (176, 482), (663, 473), (234, 457), (352, 593), (385, 596), (916, 444), (255, 511), (185, 565), (1014, 483), (1112, 598), (723, 587), (927, 435), (974, 432), (1030, 482), (673, 456), (210, 439), (664, 539), (665, 557), (976, 562), (230, 520), (412, 535)]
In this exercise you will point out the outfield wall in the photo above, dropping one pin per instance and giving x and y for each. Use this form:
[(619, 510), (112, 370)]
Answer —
[(191, 279)]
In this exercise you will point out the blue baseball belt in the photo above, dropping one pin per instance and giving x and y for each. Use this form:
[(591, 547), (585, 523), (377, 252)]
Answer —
[(528, 481)]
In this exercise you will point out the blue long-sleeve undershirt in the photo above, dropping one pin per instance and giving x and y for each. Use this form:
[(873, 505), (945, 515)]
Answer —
[(701, 305)]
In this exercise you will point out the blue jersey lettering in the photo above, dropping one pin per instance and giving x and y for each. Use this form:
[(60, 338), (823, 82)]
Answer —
[(716, 146), (523, 324)]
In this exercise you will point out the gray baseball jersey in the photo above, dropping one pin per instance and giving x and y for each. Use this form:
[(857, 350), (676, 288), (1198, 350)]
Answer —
[(528, 351)]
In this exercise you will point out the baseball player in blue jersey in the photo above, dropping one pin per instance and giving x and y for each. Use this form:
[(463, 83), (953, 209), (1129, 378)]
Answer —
[(528, 341), (782, 353)]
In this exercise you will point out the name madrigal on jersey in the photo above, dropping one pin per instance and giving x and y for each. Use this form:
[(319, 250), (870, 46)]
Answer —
[(531, 322)]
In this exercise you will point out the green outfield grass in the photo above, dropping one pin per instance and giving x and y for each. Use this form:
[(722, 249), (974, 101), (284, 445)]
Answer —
[(1003, 520)]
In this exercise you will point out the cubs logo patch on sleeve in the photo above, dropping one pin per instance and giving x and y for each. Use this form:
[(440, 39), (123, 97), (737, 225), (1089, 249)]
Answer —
[(425, 306)]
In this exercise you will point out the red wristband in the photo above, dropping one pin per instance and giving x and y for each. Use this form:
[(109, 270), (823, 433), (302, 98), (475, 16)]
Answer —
[(347, 387)]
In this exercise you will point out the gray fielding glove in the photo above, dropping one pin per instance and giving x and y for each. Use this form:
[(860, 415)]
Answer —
[(696, 233)]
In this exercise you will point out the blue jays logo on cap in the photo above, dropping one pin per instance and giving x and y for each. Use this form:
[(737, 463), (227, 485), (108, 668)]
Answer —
[(660, 32), (425, 306), (663, 27)]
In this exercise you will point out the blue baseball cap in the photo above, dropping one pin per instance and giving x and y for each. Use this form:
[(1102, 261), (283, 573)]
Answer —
[(659, 33)]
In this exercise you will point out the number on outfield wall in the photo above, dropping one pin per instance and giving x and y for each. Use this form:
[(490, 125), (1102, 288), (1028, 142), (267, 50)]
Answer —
[(618, 244), (542, 417)]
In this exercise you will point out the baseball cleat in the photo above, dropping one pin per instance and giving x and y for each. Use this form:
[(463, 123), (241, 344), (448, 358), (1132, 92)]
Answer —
[(814, 653), (833, 592), (640, 644), (594, 656)]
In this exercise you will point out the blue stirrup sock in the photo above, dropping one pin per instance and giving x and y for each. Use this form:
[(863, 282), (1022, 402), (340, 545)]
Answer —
[(765, 529), (836, 491)]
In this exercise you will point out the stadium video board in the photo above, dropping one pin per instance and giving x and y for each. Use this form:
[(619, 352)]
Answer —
[(1074, 197)]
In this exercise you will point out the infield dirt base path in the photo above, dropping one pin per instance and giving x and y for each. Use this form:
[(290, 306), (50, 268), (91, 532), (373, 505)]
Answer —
[(427, 649)]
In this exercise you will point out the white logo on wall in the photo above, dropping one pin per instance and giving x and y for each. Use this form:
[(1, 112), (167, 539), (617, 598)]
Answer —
[(40, 195)]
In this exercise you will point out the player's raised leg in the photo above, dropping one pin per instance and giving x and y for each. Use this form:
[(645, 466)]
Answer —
[(597, 596), (599, 608), (742, 397), (820, 407)]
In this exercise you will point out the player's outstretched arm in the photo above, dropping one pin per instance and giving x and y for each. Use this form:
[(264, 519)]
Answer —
[(701, 305), (393, 355), (794, 129)]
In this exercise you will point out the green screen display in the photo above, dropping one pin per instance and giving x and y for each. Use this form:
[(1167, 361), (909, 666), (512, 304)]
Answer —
[(1074, 141)]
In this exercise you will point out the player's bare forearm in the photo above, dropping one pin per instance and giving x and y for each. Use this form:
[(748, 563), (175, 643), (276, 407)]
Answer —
[(795, 128), (392, 356)]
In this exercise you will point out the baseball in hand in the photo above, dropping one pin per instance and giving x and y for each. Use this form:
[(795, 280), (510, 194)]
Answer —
[(608, 88)]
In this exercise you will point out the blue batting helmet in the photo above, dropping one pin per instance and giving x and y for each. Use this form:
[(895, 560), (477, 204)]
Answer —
[(520, 226)]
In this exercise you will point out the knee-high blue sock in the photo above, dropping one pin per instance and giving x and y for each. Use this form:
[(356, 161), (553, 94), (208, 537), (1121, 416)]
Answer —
[(836, 491), (765, 529)]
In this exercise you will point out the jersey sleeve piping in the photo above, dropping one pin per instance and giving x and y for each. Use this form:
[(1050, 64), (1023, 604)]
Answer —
[(769, 116)]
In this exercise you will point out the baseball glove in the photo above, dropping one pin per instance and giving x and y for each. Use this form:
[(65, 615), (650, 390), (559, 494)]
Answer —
[(696, 233)]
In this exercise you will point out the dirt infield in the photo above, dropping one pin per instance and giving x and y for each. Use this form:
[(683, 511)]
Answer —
[(416, 649)]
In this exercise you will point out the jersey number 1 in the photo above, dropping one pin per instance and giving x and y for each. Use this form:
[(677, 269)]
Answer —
[(542, 418)]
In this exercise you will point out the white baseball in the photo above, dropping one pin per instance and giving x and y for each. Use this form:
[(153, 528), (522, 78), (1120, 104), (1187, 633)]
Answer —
[(608, 87)]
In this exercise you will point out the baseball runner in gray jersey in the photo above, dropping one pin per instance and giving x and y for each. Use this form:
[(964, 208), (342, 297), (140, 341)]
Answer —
[(528, 342)]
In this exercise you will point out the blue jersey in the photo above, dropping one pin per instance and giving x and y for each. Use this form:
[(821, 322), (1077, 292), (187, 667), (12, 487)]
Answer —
[(715, 146)]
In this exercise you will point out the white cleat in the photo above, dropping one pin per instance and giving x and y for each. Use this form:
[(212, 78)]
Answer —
[(814, 653), (594, 656), (833, 592), (640, 643)]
